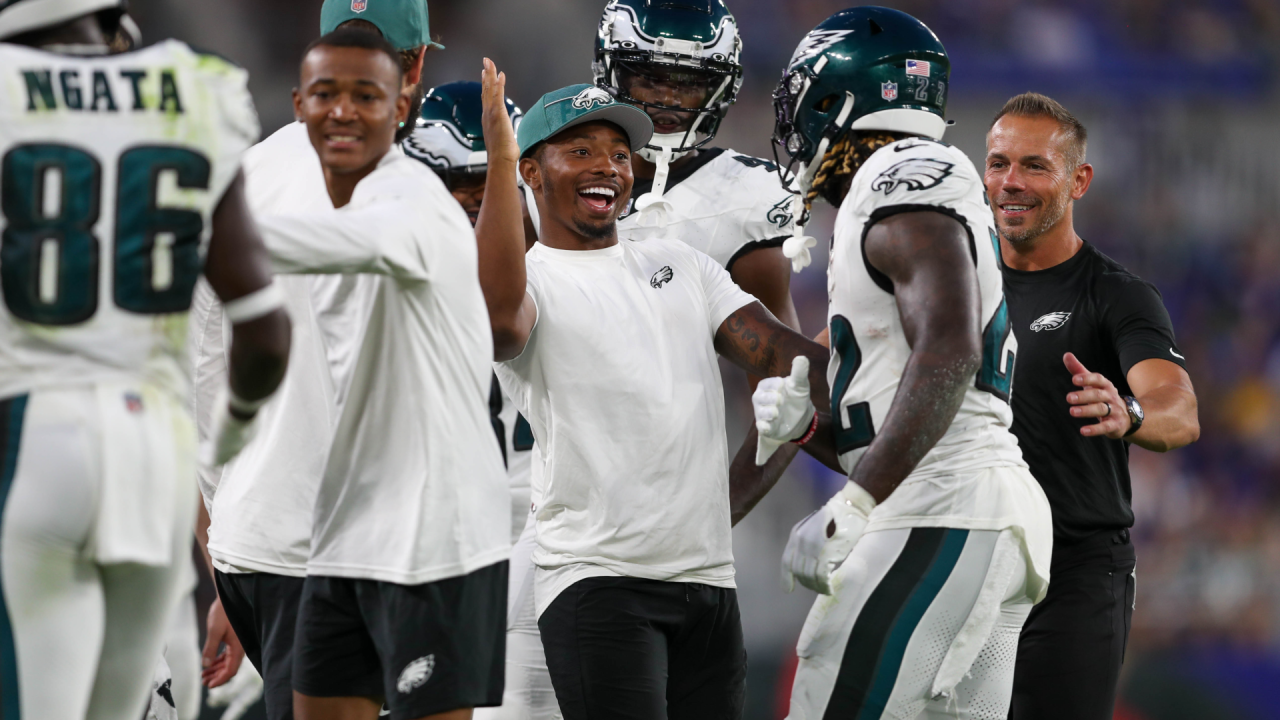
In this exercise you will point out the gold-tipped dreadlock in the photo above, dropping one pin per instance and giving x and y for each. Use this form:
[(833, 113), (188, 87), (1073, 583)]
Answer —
[(843, 160)]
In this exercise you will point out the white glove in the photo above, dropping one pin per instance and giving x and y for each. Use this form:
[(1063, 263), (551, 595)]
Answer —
[(783, 409), (821, 542), (238, 694), (796, 248), (230, 433), (161, 705)]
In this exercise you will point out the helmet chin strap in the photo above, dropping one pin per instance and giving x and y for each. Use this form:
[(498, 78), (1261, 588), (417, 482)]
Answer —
[(796, 247), (655, 209)]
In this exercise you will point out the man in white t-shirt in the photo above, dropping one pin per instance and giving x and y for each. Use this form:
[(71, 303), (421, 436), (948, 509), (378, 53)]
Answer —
[(260, 505), (610, 353), (406, 579)]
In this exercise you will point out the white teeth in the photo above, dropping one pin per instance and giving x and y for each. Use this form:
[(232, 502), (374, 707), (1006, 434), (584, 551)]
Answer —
[(342, 138), (607, 192), (1016, 208)]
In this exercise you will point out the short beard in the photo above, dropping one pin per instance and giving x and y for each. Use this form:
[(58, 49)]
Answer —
[(1052, 215), (591, 232), (595, 232)]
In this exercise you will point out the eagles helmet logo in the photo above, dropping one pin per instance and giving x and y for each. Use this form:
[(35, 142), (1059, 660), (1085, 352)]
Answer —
[(914, 174), (591, 97), (1050, 321), (416, 674), (662, 277), (815, 43)]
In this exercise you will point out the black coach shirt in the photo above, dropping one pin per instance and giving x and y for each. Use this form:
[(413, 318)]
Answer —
[(1112, 320)]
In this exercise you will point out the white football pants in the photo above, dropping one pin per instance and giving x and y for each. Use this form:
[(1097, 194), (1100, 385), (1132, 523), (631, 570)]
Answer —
[(528, 694), (923, 623), (80, 638)]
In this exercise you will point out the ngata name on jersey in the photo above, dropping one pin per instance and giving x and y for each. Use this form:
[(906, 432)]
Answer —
[(97, 90), (869, 349)]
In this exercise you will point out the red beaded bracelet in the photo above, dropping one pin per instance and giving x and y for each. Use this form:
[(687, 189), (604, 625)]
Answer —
[(813, 430)]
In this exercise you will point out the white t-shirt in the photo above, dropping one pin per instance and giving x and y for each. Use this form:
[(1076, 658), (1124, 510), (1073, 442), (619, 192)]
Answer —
[(621, 386), (261, 503), (869, 352), (413, 488)]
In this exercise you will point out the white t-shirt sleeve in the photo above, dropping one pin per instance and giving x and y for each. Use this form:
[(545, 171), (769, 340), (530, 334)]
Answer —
[(723, 295), (383, 237)]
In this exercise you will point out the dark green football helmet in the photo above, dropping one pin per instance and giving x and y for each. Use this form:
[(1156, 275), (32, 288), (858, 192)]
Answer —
[(449, 136), (865, 68), (696, 40)]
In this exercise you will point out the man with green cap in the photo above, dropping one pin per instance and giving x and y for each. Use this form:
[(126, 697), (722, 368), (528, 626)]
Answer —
[(610, 353), (260, 508)]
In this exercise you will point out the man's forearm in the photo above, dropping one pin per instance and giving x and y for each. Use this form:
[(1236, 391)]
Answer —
[(929, 395), (1170, 420), (748, 482), (501, 242)]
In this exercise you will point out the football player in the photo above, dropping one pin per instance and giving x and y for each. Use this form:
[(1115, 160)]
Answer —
[(610, 351), (449, 138), (679, 62), (930, 558), (119, 185), (260, 506), (407, 575)]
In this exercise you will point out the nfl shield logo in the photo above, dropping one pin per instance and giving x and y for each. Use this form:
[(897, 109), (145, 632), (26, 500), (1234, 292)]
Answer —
[(359, 6), (133, 402), (889, 90)]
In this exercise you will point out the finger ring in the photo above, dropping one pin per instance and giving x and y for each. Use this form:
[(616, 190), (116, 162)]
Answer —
[(1108, 409)]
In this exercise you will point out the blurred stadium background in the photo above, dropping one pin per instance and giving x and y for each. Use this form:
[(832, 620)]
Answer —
[(1181, 100)]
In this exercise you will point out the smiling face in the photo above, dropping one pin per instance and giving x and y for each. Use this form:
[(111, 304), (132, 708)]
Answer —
[(1029, 178), (582, 178), (350, 100), (672, 88)]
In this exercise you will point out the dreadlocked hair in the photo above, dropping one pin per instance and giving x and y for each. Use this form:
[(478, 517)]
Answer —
[(843, 160)]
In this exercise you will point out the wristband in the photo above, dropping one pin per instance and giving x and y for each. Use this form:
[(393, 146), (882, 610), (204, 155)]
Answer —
[(256, 304), (246, 408), (808, 435)]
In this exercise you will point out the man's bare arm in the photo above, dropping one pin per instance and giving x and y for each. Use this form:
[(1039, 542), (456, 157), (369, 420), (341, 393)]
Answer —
[(238, 265), (926, 256), (755, 341), (500, 228), (1170, 415)]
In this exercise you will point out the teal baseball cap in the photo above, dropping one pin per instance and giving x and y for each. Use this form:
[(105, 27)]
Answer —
[(402, 22), (577, 104)]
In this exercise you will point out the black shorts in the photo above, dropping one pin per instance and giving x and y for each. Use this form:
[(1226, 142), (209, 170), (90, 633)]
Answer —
[(1072, 645), (263, 610), (628, 648), (422, 649)]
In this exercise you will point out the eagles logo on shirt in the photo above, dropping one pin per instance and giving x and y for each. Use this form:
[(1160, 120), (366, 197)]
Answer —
[(914, 173), (1050, 321), (662, 277)]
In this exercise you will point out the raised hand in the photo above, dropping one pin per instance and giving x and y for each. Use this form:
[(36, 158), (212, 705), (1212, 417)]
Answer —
[(1097, 398), (499, 136)]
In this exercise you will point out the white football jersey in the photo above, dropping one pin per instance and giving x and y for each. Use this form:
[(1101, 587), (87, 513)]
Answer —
[(110, 169), (869, 350), (413, 488), (621, 385), (726, 204)]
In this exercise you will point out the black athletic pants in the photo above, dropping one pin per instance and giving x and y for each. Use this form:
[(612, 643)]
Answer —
[(1073, 643), (263, 610), (631, 649)]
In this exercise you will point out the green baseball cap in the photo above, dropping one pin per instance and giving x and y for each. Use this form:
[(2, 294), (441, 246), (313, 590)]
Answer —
[(579, 104), (402, 22)]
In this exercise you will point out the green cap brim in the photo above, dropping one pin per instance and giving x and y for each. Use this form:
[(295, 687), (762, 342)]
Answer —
[(634, 122)]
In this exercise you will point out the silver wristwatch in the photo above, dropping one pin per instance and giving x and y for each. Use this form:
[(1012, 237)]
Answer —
[(1136, 416)]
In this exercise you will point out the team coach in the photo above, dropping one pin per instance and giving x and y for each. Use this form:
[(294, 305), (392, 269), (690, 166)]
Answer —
[(1097, 368)]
